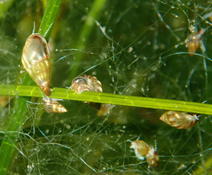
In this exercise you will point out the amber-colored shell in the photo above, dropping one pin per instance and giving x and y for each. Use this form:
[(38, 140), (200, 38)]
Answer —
[(179, 120), (4, 100), (143, 150), (105, 109), (53, 106), (193, 42), (35, 60), (86, 83)]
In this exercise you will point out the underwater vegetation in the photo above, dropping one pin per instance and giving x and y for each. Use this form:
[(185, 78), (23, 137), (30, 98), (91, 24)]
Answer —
[(105, 87)]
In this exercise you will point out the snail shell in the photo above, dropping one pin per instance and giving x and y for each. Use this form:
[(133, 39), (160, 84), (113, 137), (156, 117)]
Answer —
[(53, 106), (179, 120), (86, 83), (105, 109), (143, 150), (35, 60), (193, 41)]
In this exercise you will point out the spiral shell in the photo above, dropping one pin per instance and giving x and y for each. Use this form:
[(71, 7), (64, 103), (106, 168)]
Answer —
[(53, 106), (193, 41), (35, 60), (179, 120), (143, 150), (86, 83)]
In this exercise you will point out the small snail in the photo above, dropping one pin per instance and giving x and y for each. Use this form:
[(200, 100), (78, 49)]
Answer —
[(91, 83), (53, 106), (105, 109), (179, 120), (193, 41), (143, 150), (86, 83), (35, 60)]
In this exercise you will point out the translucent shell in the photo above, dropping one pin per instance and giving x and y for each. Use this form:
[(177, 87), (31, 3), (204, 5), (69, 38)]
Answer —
[(193, 42), (35, 60), (143, 150), (179, 120), (53, 106), (4, 100), (105, 109), (86, 83)]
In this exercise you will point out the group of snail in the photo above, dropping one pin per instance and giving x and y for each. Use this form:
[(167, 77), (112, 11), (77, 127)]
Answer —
[(36, 61), (179, 120)]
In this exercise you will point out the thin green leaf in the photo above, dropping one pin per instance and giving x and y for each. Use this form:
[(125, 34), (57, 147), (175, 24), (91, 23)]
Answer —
[(49, 17), (146, 102), (18, 116)]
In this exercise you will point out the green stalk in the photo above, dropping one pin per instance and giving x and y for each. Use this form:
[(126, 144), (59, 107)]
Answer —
[(19, 113), (146, 102), (49, 17), (92, 16), (15, 123)]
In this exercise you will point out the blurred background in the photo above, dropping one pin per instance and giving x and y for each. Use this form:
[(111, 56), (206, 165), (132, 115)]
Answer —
[(134, 48)]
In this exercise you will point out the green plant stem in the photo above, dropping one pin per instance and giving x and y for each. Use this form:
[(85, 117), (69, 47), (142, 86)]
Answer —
[(19, 112), (92, 16), (146, 102), (49, 17), (15, 123)]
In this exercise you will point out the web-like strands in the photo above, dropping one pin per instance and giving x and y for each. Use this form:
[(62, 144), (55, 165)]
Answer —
[(134, 48)]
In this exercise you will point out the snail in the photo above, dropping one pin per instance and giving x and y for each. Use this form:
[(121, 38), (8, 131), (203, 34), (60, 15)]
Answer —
[(143, 150), (86, 83), (193, 41), (179, 120), (35, 60), (52, 105)]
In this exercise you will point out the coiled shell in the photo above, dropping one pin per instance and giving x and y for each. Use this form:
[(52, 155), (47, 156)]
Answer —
[(143, 150), (86, 83), (179, 120), (35, 60), (53, 106), (193, 42)]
